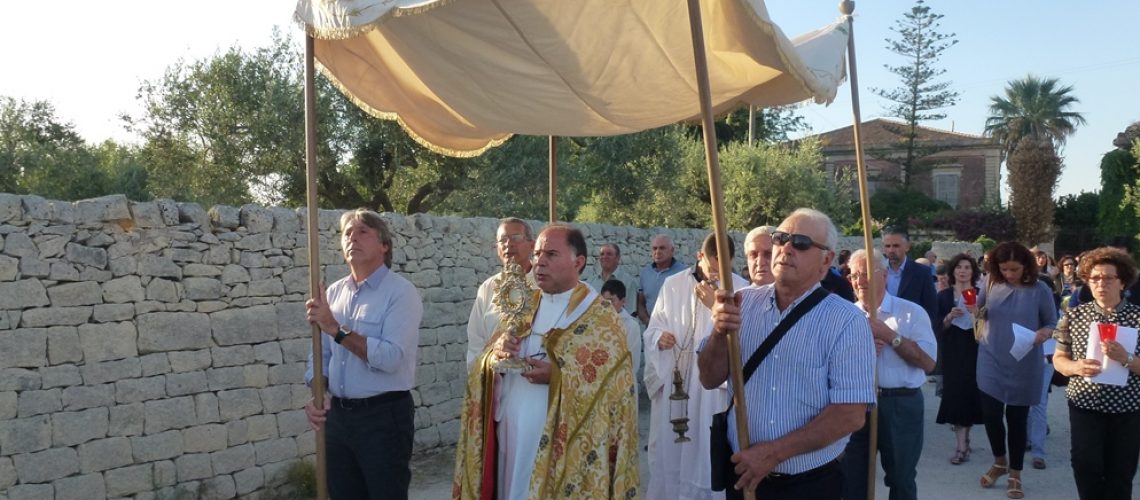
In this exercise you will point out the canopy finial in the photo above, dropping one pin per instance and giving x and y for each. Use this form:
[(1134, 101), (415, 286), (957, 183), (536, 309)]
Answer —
[(846, 7)]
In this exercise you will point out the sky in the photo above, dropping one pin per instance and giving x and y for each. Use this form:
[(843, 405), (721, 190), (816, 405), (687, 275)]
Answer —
[(89, 58)]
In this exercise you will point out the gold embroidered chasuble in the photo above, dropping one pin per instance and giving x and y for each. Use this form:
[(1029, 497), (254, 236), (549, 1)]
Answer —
[(588, 447)]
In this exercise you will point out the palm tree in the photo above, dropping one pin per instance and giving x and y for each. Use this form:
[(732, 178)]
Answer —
[(1032, 106)]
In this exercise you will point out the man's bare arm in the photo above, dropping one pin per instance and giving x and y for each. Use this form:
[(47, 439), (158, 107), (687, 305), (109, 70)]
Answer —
[(910, 352), (642, 312), (713, 359)]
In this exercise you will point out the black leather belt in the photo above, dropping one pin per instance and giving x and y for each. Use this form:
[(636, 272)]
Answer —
[(779, 477), (898, 391), (354, 404)]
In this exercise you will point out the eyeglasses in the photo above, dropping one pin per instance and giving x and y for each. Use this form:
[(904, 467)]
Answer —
[(1102, 279), (800, 242), (512, 238)]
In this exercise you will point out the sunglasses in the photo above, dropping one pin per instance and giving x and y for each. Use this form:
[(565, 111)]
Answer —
[(800, 242)]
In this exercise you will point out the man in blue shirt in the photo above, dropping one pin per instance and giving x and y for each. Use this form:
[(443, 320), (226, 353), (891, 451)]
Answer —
[(371, 322), (907, 279), (653, 275)]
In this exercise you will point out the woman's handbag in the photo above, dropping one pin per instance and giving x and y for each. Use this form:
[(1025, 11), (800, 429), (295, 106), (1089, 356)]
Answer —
[(981, 324)]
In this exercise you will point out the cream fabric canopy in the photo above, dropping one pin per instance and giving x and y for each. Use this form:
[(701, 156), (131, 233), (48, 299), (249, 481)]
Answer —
[(463, 75)]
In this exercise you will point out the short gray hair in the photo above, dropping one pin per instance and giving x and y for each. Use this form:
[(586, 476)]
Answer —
[(861, 254), (832, 238), (757, 231), (515, 220)]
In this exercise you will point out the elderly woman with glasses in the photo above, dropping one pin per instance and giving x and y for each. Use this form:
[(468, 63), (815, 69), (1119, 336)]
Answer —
[(1014, 301), (1104, 419)]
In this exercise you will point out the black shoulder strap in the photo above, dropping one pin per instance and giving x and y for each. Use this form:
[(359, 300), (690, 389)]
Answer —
[(781, 329)]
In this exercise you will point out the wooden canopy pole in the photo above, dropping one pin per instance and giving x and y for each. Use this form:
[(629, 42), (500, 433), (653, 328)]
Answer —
[(553, 179), (720, 226), (847, 7), (318, 384)]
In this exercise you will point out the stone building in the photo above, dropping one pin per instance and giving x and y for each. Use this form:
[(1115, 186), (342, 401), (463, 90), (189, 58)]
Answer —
[(963, 170)]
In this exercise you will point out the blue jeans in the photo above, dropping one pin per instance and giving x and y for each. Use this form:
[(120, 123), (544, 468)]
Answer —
[(900, 445)]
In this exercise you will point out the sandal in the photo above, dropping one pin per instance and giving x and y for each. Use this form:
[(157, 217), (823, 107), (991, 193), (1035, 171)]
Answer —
[(960, 457), (1013, 488), (991, 476)]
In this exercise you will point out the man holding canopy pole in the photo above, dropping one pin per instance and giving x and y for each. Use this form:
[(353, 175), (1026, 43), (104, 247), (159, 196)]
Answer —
[(812, 390)]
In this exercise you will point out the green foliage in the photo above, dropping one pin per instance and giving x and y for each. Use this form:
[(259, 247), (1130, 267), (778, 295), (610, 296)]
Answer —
[(918, 249), (918, 95), (1034, 169), (986, 242), (905, 208), (1117, 214), (1076, 220), (969, 225), (1033, 107)]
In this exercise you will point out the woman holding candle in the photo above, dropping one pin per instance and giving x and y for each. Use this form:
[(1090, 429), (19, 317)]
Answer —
[(1104, 419), (1009, 385), (961, 405)]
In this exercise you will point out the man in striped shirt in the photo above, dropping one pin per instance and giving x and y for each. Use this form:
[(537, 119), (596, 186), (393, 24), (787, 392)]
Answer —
[(812, 390)]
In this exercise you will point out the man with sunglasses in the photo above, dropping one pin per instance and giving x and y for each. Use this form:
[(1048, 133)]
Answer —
[(812, 390), (514, 240)]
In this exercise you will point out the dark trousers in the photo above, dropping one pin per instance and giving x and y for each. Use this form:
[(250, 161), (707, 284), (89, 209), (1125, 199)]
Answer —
[(1105, 450), (369, 447), (822, 483), (1017, 418), (900, 446)]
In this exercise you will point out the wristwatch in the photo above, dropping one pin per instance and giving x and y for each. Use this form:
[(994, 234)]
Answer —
[(897, 341), (1128, 361), (341, 334)]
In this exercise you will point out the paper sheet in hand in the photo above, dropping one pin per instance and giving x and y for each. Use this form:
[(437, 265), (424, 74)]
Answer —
[(1022, 341), (1113, 373), (965, 321)]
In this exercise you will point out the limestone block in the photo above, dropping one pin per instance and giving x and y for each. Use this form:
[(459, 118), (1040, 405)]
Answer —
[(204, 270), (23, 294), (193, 466), (47, 465), (291, 322), (269, 353), (33, 403), (126, 420), (72, 428), (23, 348), (86, 255), (233, 459), (148, 306), (237, 432), (209, 306), (108, 371), (105, 341), (193, 214), (239, 403), (301, 395), (234, 273), (76, 294), (173, 413), (168, 210), (11, 207), (7, 473), (183, 306), (218, 255), (307, 443), (295, 350), (449, 432), (275, 450), (253, 259), (129, 480), (18, 379), (248, 480), (292, 423), (82, 397), (9, 268), (62, 343), (204, 438), (53, 316), (159, 446), (187, 255), (124, 289), (8, 405), (140, 389), (266, 288), (231, 356), (31, 492), (157, 265), (185, 361), (254, 242), (277, 473), (181, 384), (61, 376), (146, 214), (296, 280), (202, 288), (260, 427), (445, 411), (217, 488), (105, 313), (104, 454), (123, 266), (88, 273), (206, 408), (173, 331), (435, 393), (104, 209), (165, 474), (425, 439), (51, 246), (288, 373), (425, 374), (286, 221), (225, 216), (244, 326), (19, 245), (24, 435), (154, 364)]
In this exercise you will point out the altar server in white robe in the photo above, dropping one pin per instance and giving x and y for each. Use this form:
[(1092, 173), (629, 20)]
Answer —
[(682, 318)]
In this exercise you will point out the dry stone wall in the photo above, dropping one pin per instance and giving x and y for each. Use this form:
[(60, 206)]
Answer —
[(151, 348)]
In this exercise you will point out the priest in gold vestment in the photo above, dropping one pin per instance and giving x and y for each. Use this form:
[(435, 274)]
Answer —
[(566, 427)]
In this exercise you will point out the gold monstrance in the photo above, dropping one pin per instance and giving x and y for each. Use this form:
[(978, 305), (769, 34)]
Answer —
[(512, 296)]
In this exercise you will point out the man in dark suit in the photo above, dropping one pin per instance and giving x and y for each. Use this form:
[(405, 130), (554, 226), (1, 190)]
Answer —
[(906, 278)]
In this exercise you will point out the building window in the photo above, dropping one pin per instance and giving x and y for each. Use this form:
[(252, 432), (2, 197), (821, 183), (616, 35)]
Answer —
[(946, 184)]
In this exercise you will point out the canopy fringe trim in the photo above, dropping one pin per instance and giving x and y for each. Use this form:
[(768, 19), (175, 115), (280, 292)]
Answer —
[(343, 33)]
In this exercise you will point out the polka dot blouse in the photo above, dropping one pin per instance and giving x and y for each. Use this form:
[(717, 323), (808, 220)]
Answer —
[(1072, 336)]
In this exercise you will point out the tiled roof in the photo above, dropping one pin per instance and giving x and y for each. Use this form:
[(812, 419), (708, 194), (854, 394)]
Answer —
[(882, 132)]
